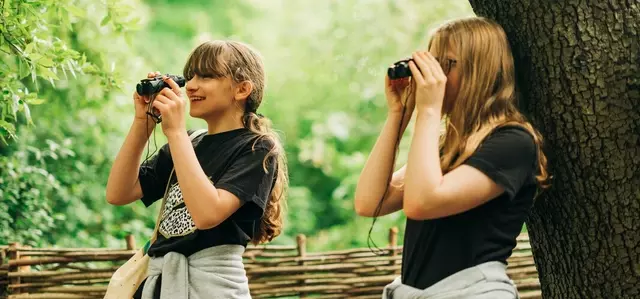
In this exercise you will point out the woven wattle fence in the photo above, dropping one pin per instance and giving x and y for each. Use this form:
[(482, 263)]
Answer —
[(274, 271)]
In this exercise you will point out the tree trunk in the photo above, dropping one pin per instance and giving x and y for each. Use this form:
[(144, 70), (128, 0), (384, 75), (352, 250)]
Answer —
[(578, 65)]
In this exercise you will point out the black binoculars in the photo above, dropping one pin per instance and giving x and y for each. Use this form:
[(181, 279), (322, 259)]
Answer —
[(150, 86), (399, 69)]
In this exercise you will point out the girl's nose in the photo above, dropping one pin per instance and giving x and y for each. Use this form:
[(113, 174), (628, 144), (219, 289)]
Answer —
[(191, 84)]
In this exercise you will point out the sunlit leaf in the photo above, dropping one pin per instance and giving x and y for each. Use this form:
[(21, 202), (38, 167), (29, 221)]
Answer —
[(23, 69), (105, 20), (29, 48), (9, 127), (15, 105), (45, 62), (27, 113), (47, 73), (34, 101)]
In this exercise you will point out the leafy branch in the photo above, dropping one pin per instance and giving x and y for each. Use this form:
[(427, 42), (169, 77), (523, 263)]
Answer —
[(37, 41)]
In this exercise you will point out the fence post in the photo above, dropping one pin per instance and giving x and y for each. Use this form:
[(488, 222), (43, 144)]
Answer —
[(393, 244), (4, 277), (14, 255), (131, 242), (301, 241), (26, 268), (393, 240)]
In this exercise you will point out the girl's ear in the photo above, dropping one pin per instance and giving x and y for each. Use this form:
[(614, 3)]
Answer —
[(243, 90)]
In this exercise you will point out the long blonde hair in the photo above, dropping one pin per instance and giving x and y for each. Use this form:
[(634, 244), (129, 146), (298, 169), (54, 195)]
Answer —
[(486, 99), (241, 63)]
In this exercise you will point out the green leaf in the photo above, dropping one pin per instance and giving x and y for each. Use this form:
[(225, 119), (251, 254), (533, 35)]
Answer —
[(46, 62), (134, 24), (15, 105), (24, 69), (27, 113), (106, 20), (35, 56), (11, 128), (47, 73), (34, 101), (129, 39), (29, 48)]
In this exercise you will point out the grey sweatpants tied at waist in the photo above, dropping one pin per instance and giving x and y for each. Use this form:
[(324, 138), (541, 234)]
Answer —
[(215, 272), (485, 281)]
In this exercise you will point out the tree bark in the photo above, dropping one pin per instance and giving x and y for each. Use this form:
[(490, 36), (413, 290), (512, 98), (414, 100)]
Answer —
[(578, 65)]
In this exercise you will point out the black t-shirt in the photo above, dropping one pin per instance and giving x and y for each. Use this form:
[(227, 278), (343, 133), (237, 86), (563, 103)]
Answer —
[(233, 161), (437, 248)]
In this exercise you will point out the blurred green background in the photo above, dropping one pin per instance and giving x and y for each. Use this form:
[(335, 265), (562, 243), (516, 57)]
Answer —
[(69, 68)]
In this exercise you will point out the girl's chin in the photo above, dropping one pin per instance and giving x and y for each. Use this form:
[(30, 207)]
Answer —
[(194, 112), (201, 109)]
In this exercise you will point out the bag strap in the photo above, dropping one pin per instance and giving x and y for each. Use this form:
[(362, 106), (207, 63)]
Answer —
[(164, 198)]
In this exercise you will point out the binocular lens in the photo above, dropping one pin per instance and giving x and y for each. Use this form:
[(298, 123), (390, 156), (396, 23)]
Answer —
[(399, 70)]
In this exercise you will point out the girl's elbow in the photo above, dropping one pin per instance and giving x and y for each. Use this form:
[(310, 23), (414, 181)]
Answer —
[(419, 213), (203, 226), (416, 209), (361, 208), (362, 211), (117, 197), (411, 210), (113, 198)]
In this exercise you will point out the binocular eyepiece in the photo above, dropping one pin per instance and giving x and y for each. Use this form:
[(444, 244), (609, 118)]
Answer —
[(399, 69), (150, 86)]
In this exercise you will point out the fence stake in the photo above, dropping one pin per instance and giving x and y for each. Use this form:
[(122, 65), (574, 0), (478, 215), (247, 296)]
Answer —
[(301, 241), (131, 242), (4, 278), (14, 255), (393, 243), (393, 240)]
